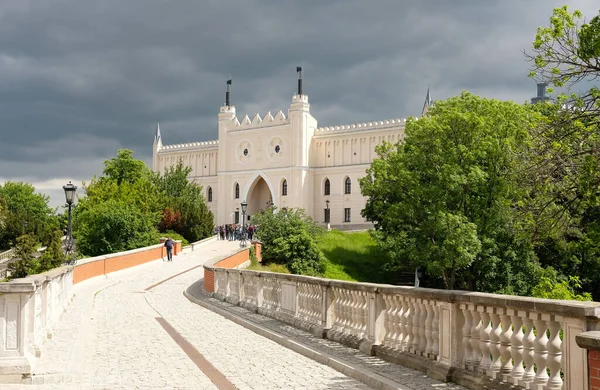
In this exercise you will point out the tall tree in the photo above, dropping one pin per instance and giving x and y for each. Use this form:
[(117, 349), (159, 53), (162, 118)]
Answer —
[(442, 199)]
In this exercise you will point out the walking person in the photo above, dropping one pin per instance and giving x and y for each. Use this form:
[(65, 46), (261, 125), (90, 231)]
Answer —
[(169, 244)]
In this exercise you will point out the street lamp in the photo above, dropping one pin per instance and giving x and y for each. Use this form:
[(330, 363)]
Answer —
[(70, 190), (243, 240), (327, 215)]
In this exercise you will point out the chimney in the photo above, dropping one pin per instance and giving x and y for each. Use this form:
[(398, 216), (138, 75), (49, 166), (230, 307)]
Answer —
[(299, 70), (228, 93)]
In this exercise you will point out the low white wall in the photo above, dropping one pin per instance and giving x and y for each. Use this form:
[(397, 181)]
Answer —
[(29, 309), (475, 339)]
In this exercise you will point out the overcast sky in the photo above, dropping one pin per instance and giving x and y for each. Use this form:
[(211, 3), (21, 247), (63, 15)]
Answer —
[(80, 79)]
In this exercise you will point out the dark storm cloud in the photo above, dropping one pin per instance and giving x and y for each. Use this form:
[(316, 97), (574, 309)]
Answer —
[(79, 79)]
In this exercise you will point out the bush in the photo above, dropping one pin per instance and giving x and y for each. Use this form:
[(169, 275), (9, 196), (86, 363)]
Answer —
[(27, 263), (175, 236), (288, 238)]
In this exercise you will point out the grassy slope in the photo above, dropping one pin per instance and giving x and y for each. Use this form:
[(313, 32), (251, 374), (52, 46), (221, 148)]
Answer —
[(352, 256)]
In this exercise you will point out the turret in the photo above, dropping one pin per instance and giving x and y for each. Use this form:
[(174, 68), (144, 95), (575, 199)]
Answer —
[(541, 94), (428, 102)]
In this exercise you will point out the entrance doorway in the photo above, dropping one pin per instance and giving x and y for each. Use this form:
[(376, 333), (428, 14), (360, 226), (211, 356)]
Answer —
[(259, 197)]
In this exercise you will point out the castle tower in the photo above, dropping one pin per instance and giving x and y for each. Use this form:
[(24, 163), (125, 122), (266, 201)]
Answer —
[(541, 94), (226, 122), (303, 127)]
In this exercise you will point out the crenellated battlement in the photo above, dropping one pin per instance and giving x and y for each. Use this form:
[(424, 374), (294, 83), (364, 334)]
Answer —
[(257, 121), (191, 145), (355, 127)]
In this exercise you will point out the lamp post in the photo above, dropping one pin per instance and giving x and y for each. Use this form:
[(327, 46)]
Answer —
[(70, 196), (327, 215), (243, 240)]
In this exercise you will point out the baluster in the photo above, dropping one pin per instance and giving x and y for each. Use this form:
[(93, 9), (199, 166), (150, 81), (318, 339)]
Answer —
[(423, 329), (555, 382), (435, 331), (387, 323), (505, 347), (406, 324), (495, 344), (540, 346), (475, 334), (484, 342), (398, 318), (416, 329), (428, 328), (528, 352), (466, 335)]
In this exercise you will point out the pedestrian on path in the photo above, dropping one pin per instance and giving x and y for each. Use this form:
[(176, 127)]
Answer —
[(169, 245)]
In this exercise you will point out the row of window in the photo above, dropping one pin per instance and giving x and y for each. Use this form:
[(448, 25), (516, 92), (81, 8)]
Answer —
[(347, 215), (284, 188)]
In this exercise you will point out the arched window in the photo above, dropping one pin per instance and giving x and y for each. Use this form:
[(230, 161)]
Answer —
[(284, 188), (237, 191), (327, 187), (348, 186), (209, 196)]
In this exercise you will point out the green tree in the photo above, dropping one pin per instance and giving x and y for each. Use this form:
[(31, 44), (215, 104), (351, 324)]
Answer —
[(184, 205), (26, 213), (125, 168), (564, 170), (26, 264), (53, 256), (289, 238), (114, 226), (441, 200)]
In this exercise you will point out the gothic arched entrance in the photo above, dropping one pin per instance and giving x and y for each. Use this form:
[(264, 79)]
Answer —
[(259, 197)]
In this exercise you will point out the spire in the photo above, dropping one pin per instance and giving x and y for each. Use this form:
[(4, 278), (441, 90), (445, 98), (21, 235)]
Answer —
[(428, 101), (157, 137)]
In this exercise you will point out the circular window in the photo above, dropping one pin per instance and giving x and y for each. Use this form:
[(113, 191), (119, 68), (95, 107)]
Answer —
[(245, 152), (277, 149)]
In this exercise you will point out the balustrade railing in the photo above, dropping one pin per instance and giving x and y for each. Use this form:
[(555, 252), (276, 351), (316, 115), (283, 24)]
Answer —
[(510, 340), (7, 255)]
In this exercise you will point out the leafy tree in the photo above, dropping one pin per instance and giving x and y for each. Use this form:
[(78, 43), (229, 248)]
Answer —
[(114, 226), (186, 211), (552, 286), (442, 199), (289, 238), (26, 264), (564, 169), (125, 168), (54, 255), (26, 213)]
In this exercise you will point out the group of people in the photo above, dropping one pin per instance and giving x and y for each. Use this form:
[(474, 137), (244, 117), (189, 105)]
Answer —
[(233, 232)]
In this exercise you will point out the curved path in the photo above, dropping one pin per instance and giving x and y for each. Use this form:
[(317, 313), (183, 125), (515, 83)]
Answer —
[(136, 330)]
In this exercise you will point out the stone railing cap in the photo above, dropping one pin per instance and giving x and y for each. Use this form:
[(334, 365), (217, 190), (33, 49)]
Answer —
[(22, 285), (589, 340)]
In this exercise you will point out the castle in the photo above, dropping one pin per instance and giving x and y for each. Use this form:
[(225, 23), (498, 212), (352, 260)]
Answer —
[(283, 160)]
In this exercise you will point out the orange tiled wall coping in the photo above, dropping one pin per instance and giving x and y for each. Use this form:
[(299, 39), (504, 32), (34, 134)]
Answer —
[(231, 261), (102, 265)]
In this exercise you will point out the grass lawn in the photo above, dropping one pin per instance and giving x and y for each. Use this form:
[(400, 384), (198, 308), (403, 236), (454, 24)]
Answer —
[(353, 256)]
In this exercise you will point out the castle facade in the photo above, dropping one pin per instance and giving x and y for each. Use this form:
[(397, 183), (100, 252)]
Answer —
[(284, 160)]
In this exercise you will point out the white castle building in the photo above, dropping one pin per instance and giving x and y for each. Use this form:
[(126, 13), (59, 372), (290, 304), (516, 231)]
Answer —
[(284, 160)]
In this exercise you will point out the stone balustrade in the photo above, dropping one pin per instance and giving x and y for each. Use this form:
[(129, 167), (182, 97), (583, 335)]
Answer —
[(474, 339), (29, 309)]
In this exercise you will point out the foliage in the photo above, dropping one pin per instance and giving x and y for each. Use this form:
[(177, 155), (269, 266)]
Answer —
[(186, 211), (551, 286), (564, 170), (289, 238), (125, 168), (442, 199), (253, 258), (114, 226), (27, 263), (175, 236), (353, 256), (54, 255), (24, 212), (272, 267)]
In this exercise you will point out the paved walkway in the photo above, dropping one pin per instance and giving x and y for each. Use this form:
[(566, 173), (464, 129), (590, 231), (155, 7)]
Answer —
[(130, 331)]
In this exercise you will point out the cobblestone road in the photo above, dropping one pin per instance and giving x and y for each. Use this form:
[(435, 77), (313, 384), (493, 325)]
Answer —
[(110, 338)]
